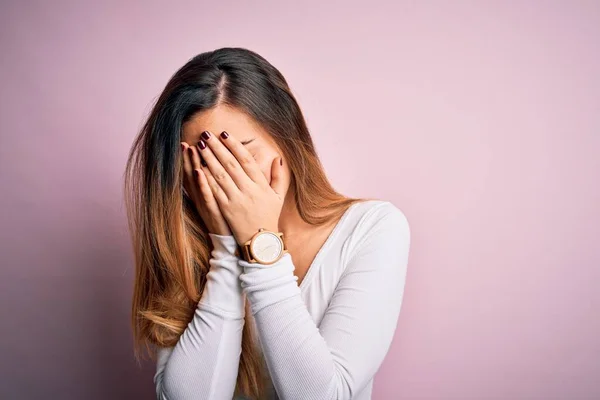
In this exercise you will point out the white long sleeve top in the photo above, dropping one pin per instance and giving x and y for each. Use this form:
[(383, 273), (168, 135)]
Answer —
[(323, 339)]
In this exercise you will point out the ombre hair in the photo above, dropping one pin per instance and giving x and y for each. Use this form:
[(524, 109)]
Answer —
[(170, 240)]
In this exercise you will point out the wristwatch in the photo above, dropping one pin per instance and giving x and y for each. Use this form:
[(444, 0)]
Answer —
[(265, 247)]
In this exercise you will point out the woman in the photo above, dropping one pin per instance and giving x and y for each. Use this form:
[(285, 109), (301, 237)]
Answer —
[(254, 278)]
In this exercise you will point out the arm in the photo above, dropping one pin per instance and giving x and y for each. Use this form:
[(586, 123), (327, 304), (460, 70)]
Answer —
[(337, 359), (204, 363)]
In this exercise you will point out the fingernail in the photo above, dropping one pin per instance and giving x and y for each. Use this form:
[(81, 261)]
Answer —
[(281, 161), (202, 144), (203, 163), (224, 135), (196, 173), (190, 151), (205, 135), (182, 146)]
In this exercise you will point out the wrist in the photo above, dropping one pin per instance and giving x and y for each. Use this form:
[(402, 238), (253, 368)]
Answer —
[(220, 231), (265, 247), (223, 245), (245, 236)]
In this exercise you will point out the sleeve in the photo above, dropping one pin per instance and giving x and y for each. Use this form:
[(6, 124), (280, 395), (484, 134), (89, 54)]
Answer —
[(337, 359), (204, 362)]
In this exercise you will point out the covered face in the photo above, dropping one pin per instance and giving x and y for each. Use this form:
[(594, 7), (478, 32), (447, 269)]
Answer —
[(240, 126)]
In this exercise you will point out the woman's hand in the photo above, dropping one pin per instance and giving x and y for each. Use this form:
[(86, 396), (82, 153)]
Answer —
[(246, 199), (196, 184)]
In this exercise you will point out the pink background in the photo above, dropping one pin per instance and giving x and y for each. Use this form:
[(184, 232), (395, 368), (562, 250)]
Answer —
[(480, 120)]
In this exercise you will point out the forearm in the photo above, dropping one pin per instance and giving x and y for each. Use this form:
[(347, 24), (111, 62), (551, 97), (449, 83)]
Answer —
[(337, 359), (204, 362), (300, 363)]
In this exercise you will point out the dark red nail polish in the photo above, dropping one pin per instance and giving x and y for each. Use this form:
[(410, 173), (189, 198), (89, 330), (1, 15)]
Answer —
[(224, 135), (281, 161), (205, 135), (190, 151), (202, 144), (203, 163), (196, 173)]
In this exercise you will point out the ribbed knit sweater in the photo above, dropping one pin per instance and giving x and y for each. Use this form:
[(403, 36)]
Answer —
[(323, 339)]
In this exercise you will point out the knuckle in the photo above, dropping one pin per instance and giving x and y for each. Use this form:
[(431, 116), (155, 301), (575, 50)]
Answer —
[(231, 164), (234, 197), (246, 160), (220, 175)]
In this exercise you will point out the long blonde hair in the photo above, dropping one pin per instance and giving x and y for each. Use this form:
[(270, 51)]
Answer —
[(170, 241)]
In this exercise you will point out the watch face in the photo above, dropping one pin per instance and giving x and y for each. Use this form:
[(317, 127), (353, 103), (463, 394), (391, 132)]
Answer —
[(266, 247)]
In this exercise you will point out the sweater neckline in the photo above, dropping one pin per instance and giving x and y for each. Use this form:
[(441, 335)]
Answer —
[(323, 249)]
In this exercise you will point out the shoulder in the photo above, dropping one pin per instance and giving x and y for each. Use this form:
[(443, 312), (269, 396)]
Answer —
[(378, 223), (381, 215)]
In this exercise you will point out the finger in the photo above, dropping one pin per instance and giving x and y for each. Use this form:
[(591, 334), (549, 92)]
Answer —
[(217, 193), (197, 160), (194, 160), (187, 169), (192, 163), (244, 158), (187, 165), (205, 191), (194, 157), (219, 173), (277, 182), (228, 161)]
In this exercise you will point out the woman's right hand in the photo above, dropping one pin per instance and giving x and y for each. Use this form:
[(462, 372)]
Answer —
[(195, 182)]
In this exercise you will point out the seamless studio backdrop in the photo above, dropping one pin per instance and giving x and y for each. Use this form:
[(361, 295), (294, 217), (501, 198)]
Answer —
[(478, 119)]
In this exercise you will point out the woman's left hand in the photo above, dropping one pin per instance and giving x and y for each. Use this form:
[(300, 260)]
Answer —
[(246, 199)]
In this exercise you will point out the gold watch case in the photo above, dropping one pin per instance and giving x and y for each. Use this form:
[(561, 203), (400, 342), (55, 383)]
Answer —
[(249, 256)]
